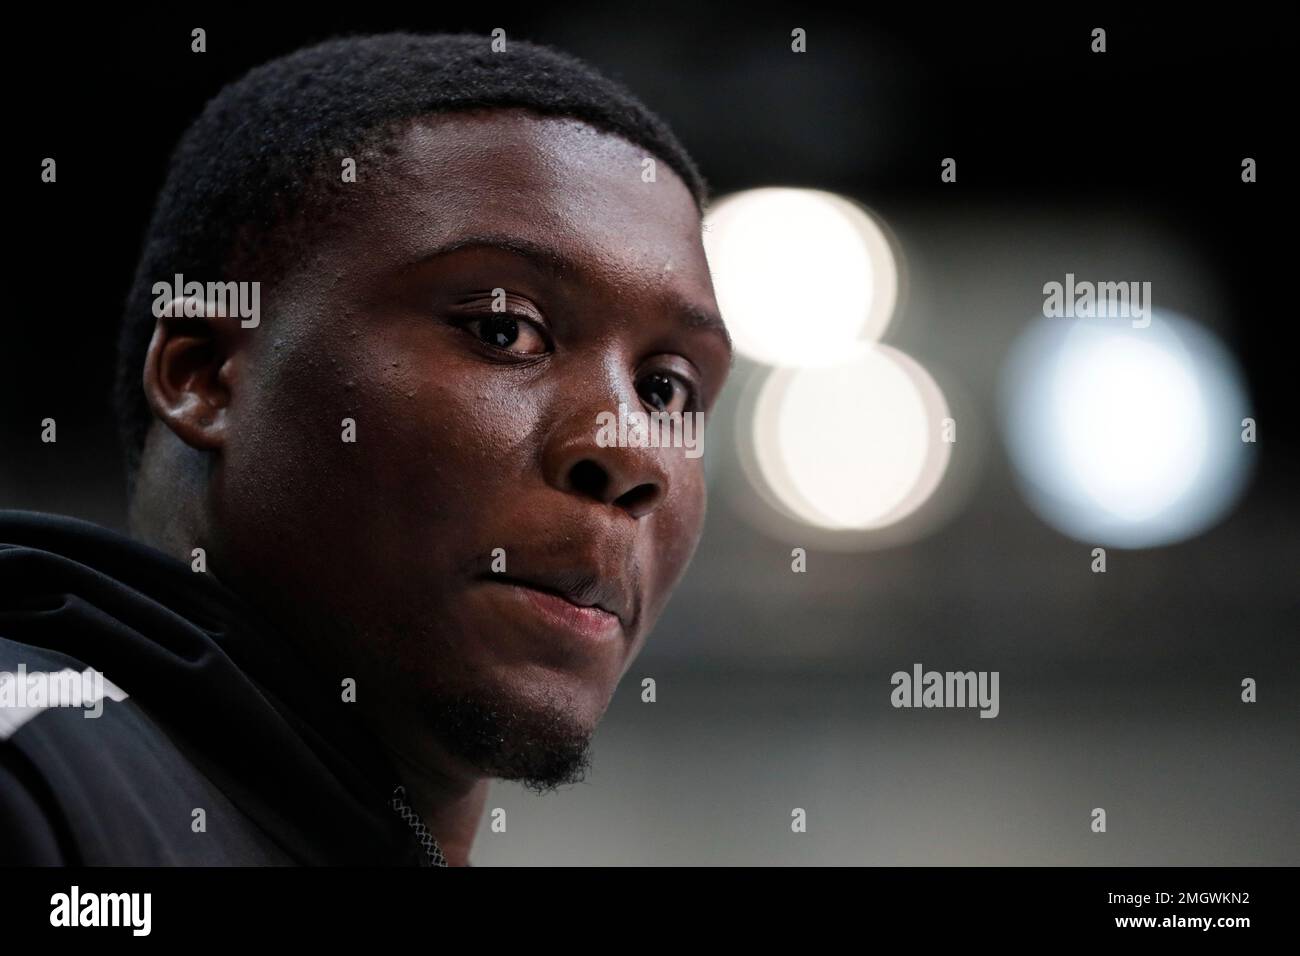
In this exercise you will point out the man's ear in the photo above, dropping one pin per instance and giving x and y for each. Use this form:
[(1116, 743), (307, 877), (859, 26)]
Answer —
[(190, 372)]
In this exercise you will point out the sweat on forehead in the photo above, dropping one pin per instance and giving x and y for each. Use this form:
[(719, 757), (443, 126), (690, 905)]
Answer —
[(550, 181), (505, 197)]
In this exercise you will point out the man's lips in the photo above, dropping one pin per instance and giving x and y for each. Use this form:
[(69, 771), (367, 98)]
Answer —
[(593, 599), (589, 623)]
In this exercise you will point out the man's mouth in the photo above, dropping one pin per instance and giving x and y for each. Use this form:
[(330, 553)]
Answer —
[(578, 598)]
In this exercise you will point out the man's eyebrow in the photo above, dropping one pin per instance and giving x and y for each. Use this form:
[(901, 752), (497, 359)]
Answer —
[(542, 256), (709, 321), (560, 266)]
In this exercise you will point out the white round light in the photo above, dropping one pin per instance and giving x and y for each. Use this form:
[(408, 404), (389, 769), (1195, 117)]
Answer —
[(855, 446), (1122, 435), (799, 274)]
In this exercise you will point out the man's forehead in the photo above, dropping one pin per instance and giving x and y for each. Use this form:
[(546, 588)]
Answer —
[(554, 183)]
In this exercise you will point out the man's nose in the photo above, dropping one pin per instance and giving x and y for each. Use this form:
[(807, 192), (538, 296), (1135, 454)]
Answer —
[(633, 479)]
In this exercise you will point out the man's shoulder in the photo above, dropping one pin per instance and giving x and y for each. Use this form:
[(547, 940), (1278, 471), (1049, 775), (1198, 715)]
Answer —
[(162, 721), (91, 776)]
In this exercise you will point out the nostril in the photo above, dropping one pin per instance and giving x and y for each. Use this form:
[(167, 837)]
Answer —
[(589, 478), (638, 499)]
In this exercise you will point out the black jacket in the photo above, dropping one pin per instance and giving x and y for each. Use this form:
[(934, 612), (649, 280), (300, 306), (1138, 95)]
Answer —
[(220, 716)]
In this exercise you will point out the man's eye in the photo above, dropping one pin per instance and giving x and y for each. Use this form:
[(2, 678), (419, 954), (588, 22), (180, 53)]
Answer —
[(508, 333), (664, 392)]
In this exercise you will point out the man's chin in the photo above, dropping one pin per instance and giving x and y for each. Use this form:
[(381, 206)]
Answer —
[(540, 743)]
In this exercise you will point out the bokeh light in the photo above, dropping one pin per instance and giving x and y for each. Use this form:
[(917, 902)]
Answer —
[(800, 274), (1125, 436), (851, 447)]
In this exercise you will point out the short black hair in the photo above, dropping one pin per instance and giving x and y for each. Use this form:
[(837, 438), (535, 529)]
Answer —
[(256, 154)]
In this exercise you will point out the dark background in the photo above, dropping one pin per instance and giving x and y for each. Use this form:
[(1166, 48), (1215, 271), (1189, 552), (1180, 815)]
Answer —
[(1118, 690)]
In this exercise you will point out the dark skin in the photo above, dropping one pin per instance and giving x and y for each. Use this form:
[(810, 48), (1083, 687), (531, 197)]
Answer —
[(475, 430)]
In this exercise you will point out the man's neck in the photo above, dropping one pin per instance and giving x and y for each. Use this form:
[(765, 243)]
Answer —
[(450, 807)]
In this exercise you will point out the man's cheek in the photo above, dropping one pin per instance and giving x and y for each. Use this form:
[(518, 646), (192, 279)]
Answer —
[(683, 516), (675, 535), (683, 525)]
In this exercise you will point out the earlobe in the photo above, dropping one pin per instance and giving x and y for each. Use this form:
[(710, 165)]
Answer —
[(189, 374)]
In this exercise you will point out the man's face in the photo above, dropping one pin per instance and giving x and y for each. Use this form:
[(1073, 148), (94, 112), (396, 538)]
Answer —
[(476, 430)]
